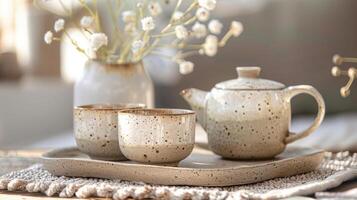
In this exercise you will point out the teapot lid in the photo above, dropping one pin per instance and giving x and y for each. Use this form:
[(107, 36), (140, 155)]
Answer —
[(248, 79)]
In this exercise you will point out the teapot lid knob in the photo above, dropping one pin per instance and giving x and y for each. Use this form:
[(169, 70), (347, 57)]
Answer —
[(248, 72)]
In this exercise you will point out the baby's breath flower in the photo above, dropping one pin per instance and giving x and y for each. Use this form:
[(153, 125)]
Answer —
[(147, 23), (236, 28), (202, 14), (177, 15), (215, 26), (186, 67), (48, 37), (97, 40), (154, 8), (59, 25), (129, 16), (199, 30), (337, 59), (137, 46), (181, 32), (210, 46), (86, 21), (208, 4)]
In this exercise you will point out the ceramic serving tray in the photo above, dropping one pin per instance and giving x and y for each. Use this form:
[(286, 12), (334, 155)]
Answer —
[(201, 168)]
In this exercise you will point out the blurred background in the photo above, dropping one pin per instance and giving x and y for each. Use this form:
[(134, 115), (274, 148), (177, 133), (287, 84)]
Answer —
[(293, 42)]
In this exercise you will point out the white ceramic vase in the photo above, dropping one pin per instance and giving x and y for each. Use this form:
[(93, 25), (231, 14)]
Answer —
[(105, 83)]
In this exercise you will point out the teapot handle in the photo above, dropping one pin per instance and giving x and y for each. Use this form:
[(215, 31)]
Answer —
[(307, 89)]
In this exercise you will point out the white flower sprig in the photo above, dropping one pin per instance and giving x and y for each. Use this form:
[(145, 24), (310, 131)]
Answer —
[(48, 37), (189, 30), (181, 32), (199, 30), (186, 67), (207, 4), (87, 22), (202, 14), (215, 26), (98, 40), (59, 25), (148, 24)]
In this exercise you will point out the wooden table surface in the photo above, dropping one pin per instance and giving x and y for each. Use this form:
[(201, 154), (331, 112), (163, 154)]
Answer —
[(5, 195)]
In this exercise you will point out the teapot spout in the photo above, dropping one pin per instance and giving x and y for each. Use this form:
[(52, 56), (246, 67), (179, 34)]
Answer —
[(196, 99)]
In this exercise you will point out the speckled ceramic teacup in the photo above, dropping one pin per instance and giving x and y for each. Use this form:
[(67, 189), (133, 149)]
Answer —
[(156, 136), (96, 130)]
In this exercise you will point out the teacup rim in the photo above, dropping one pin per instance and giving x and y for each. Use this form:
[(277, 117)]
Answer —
[(118, 107), (157, 112)]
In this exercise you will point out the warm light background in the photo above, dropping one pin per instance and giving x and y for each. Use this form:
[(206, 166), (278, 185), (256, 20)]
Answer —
[(293, 42)]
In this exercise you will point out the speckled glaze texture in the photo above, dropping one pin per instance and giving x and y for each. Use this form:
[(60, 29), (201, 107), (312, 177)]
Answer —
[(247, 119), (96, 130), (201, 168), (156, 136), (247, 130)]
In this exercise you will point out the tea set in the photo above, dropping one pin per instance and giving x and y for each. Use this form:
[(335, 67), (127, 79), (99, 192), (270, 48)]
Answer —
[(247, 118)]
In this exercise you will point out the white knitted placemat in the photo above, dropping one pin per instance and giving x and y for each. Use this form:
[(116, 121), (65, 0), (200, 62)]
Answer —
[(335, 169)]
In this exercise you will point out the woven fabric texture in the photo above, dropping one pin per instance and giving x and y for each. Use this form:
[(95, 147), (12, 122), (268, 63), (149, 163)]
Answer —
[(335, 169)]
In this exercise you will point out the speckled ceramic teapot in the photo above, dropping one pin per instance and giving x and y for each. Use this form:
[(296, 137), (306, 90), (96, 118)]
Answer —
[(249, 117)]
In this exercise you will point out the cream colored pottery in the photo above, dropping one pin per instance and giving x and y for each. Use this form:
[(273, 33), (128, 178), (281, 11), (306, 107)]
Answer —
[(112, 83), (201, 168), (249, 117), (96, 130), (156, 136)]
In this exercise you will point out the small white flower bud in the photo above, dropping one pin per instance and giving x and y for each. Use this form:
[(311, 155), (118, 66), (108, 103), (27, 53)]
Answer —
[(335, 71), (345, 92), (97, 40), (236, 28), (337, 59), (202, 14), (351, 72), (215, 26), (177, 15), (211, 45), (186, 67), (207, 4), (181, 32), (199, 30), (147, 23), (59, 25), (48, 37), (86, 21)]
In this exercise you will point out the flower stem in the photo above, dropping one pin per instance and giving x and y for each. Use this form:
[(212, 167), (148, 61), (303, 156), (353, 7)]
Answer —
[(92, 13), (117, 33), (163, 34), (225, 38), (74, 43), (190, 21), (171, 24), (179, 2)]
